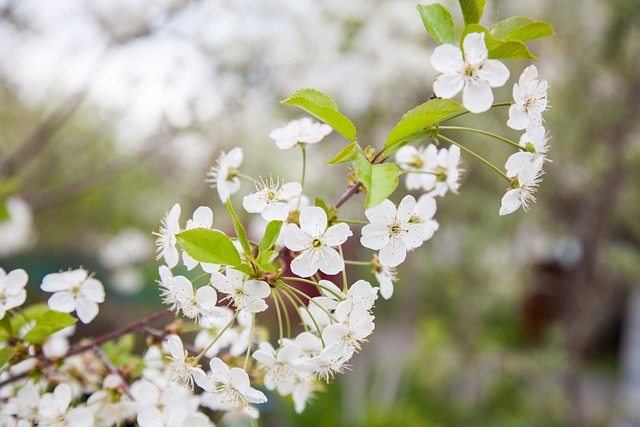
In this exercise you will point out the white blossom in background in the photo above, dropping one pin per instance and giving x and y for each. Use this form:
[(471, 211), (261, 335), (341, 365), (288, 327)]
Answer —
[(530, 96), (391, 231), (230, 388), (12, 292), (166, 240), (534, 145), (272, 200), (22, 409), (528, 180), (303, 131), (129, 246), (315, 243), (202, 218), (57, 344), (420, 159), (183, 368), (16, 231), (223, 174), (246, 295), (74, 291), (448, 178), (472, 73), (54, 410)]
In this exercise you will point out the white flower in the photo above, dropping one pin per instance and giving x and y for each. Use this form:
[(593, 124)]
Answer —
[(166, 240), (272, 201), (391, 231), (423, 214), (74, 290), (57, 344), (422, 160), (385, 276), (231, 388), (530, 96), (528, 179), (16, 232), (280, 373), (183, 368), (198, 304), (315, 242), (359, 294), (472, 74), (247, 295), (172, 288), (202, 218), (223, 174), (300, 131), (12, 292), (534, 144), (53, 409), (343, 339), (447, 172), (24, 407)]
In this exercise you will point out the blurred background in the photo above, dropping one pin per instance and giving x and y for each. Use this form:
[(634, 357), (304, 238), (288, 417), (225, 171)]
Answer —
[(111, 111)]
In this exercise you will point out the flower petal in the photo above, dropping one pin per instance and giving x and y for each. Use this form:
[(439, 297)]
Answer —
[(477, 96)]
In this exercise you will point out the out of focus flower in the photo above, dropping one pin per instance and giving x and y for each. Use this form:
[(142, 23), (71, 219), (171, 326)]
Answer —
[(16, 231), (223, 174), (12, 292), (54, 410), (303, 131), (530, 96), (231, 388), (472, 73), (74, 290)]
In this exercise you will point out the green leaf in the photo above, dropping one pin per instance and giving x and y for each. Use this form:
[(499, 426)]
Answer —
[(511, 50), (246, 269), (323, 108), (240, 231), (6, 354), (438, 21), (265, 260), (347, 154), (4, 212), (211, 246), (270, 237), (498, 49), (521, 29), (119, 352), (472, 10), (380, 179), (48, 323), (420, 118), (5, 324)]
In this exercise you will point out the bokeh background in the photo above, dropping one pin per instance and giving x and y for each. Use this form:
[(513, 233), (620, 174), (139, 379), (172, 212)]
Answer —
[(111, 111)]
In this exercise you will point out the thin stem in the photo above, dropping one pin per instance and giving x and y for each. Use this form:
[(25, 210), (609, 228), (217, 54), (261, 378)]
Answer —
[(345, 286), (233, 319), (304, 172), (477, 156), (462, 113), (277, 301), (347, 194), (362, 263), (298, 291), (286, 314), (350, 221), (202, 276), (311, 282), (247, 177), (303, 305), (111, 368), (246, 359), (482, 132), (294, 305)]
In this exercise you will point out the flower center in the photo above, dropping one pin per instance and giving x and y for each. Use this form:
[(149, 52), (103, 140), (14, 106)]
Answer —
[(316, 243), (468, 70)]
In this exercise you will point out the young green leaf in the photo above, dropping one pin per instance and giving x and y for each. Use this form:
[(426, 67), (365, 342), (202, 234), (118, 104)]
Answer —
[(6, 354), (419, 119), (323, 108), (211, 246), (240, 231), (472, 10), (347, 154), (521, 29), (362, 168), (265, 260), (384, 180), (438, 21), (246, 269), (48, 323), (270, 237), (511, 50), (119, 352)]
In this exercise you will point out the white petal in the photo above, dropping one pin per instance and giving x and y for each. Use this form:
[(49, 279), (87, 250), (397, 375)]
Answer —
[(407, 154), (202, 217), (511, 201), (206, 297), (448, 85), (330, 261), (475, 49), (93, 289), (254, 203), (393, 254), (295, 239), (477, 96), (62, 301), (494, 72), (447, 59), (313, 221), (337, 234), (257, 288), (175, 347), (375, 236), (384, 213), (304, 265), (290, 190), (276, 211), (16, 279), (516, 160), (406, 208), (518, 118), (86, 309)]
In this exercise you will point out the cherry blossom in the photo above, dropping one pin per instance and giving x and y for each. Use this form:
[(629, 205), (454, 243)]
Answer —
[(528, 178), (12, 292), (534, 144), (472, 73), (530, 96), (391, 231), (314, 240), (166, 240), (223, 174), (183, 367), (247, 295), (74, 290), (303, 131), (272, 200), (54, 411)]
